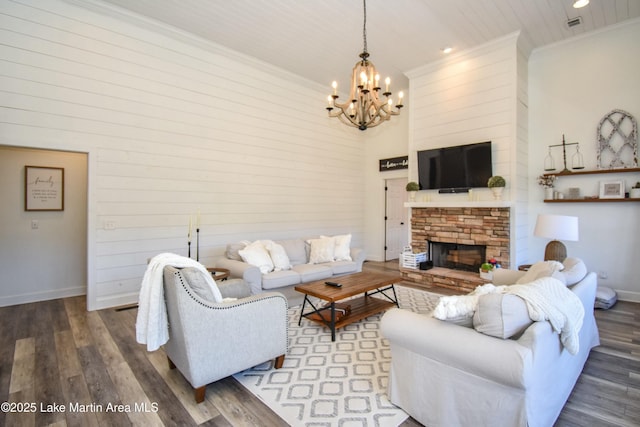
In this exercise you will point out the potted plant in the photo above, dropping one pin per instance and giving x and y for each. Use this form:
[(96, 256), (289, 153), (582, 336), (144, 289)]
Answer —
[(496, 183), (635, 191), (412, 187), (486, 271), (546, 181)]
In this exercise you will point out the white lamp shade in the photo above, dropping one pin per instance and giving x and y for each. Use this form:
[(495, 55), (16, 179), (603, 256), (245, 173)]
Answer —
[(557, 227)]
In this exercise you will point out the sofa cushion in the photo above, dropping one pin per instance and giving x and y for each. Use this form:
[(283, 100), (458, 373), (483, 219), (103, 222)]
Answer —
[(278, 279), (257, 255), (322, 250), (311, 272), (342, 267), (198, 283), (295, 249), (234, 288), (539, 270), (501, 315)]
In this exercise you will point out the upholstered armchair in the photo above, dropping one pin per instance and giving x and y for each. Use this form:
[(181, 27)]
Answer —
[(212, 340)]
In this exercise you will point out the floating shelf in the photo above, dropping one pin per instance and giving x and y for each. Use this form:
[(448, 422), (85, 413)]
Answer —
[(589, 200), (593, 172)]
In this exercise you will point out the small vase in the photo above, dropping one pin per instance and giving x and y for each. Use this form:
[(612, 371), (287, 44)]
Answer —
[(497, 192), (548, 193), (412, 196), (634, 193)]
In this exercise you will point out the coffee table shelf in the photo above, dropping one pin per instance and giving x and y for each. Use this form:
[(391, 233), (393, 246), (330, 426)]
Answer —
[(365, 284), (361, 308)]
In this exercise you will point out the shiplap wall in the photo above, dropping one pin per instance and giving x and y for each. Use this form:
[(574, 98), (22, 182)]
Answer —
[(474, 96), (172, 125)]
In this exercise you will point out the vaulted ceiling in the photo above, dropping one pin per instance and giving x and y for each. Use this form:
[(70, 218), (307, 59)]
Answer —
[(321, 39)]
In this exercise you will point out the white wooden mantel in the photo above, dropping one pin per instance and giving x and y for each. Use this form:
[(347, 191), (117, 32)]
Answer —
[(460, 204)]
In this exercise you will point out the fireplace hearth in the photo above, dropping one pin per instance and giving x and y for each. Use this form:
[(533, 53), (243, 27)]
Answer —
[(457, 256)]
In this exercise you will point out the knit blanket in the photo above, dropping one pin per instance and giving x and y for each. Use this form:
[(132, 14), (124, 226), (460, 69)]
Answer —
[(152, 325), (549, 299)]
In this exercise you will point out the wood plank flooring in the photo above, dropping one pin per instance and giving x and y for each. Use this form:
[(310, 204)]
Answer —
[(55, 354)]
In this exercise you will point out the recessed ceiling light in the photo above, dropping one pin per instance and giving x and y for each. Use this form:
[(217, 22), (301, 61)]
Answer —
[(580, 3), (447, 49)]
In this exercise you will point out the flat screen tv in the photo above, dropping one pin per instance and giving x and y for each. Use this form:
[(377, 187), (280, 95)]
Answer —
[(455, 169)]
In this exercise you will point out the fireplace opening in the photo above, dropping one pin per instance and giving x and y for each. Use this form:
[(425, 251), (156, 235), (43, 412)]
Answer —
[(457, 256)]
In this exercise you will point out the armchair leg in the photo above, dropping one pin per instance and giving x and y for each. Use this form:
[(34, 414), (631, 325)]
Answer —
[(199, 393), (171, 365), (279, 361)]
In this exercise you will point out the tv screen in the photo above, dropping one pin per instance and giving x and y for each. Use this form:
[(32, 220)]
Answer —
[(455, 169)]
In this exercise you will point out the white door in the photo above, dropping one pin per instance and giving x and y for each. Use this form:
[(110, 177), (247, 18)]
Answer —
[(396, 218)]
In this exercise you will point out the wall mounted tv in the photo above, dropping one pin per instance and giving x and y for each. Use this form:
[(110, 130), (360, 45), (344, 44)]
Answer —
[(455, 169)]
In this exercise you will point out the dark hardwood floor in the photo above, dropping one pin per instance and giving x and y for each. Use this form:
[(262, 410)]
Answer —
[(55, 354)]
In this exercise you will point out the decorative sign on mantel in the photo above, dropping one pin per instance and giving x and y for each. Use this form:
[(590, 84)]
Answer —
[(43, 188), (394, 163)]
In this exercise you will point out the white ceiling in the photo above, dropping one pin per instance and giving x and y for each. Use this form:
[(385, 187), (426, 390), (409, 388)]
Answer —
[(321, 39)]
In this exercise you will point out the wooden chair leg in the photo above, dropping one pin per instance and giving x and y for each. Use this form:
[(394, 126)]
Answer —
[(171, 365), (199, 393), (279, 361)]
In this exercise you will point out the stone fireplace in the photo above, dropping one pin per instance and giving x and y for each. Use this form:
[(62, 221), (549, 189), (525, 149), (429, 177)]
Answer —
[(459, 228)]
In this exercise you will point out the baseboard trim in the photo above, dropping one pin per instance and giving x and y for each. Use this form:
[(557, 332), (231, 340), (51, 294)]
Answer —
[(42, 296), (628, 295)]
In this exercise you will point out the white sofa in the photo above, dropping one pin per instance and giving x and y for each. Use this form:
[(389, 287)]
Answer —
[(444, 374), (300, 264)]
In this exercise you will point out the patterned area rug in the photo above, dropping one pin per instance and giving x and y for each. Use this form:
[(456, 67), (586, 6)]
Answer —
[(341, 383)]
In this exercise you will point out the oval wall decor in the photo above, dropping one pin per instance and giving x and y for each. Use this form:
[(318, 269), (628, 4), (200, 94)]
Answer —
[(617, 141)]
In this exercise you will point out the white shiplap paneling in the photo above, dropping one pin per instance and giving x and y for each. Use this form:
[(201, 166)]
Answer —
[(172, 128)]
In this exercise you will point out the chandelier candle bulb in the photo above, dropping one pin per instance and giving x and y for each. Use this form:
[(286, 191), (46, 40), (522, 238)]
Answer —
[(334, 85), (387, 82)]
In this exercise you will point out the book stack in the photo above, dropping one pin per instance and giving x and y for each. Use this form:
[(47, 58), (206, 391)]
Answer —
[(342, 310)]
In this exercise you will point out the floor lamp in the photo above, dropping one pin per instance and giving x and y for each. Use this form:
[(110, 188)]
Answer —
[(556, 227)]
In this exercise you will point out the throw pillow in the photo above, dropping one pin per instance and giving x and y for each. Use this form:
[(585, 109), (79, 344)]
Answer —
[(539, 270), (342, 251), (233, 249), (199, 284), (574, 271), (501, 315), (322, 250), (278, 256), (255, 254), (459, 309)]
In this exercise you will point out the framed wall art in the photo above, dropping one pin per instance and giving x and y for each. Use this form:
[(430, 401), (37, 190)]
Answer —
[(43, 188), (612, 190)]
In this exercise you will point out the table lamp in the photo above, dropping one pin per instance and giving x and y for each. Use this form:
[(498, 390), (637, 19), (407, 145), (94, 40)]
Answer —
[(556, 227)]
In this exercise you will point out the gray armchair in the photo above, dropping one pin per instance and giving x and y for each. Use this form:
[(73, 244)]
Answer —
[(209, 341)]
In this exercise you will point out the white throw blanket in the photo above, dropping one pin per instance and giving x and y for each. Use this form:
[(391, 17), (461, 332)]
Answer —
[(549, 299), (152, 326), (457, 306)]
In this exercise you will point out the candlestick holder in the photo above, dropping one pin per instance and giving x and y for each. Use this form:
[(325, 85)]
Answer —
[(189, 249), (198, 244)]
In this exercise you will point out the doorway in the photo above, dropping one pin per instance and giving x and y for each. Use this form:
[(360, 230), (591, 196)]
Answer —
[(43, 253), (396, 218)]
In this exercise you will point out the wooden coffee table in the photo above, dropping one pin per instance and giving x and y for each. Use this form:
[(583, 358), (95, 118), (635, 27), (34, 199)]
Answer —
[(368, 284)]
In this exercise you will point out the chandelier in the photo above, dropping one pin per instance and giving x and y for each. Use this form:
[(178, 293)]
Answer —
[(365, 108)]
